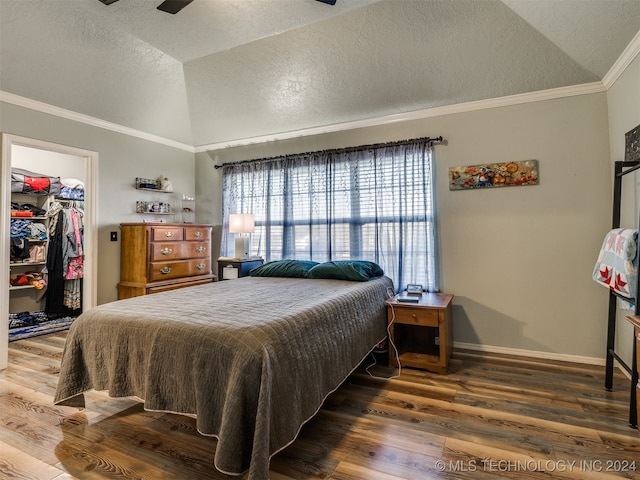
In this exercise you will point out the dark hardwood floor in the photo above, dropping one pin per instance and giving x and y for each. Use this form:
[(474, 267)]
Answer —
[(492, 416)]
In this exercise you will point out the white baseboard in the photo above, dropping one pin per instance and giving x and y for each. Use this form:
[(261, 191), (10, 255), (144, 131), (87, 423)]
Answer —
[(530, 353), (537, 354)]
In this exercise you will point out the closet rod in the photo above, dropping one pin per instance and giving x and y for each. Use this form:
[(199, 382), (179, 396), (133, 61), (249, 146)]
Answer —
[(430, 140)]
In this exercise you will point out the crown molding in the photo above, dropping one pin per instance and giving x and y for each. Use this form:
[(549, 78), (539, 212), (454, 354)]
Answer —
[(550, 94), (542, 95), (89, 120), (628, 55)]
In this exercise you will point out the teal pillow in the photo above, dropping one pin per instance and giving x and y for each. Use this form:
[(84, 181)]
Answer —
[(284, 268), (356, 270)]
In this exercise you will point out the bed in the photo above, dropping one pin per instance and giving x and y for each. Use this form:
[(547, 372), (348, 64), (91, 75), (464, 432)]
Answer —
[(252, 358)]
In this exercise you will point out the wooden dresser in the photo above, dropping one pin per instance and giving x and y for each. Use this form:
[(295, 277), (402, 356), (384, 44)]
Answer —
[(635, 380), (156, 257)]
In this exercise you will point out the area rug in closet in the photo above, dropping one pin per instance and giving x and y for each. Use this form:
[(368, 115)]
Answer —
[(49, 326)]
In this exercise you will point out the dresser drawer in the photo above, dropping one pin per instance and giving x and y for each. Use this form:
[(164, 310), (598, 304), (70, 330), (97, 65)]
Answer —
[(183, 268), (176, 286), (197, 233), (197, 250), (163, 251), (416, 316), (163, 234)]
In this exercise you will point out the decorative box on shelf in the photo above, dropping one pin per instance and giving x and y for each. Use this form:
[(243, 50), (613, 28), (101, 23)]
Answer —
[(147, 184), (157, 208)]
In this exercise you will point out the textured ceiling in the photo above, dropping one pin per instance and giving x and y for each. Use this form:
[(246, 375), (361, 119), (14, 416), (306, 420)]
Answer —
[(223, 70)]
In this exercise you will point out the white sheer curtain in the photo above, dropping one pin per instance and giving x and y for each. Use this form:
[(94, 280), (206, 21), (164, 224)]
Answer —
[(374, 203)]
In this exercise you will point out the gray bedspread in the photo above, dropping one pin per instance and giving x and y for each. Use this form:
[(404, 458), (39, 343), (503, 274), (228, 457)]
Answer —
[(252, 358)]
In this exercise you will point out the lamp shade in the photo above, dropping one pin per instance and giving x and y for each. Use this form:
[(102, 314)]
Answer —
[(241, 223)]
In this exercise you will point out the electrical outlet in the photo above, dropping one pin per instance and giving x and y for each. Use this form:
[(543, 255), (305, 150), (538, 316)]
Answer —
[(437, 340), (114, 236)]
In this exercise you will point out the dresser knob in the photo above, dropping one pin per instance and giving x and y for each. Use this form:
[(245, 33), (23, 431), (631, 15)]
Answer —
[(165, 270), (198, 234), (166, 251), (168, 234), (200, 249), (200, 266)]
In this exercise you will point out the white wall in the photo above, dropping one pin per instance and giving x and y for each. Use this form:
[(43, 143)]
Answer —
[(623, 99), (121, 159), (49, 163), (518, 259)]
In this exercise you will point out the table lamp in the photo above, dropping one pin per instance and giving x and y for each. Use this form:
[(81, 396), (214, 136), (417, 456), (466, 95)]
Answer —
[(242, 223)]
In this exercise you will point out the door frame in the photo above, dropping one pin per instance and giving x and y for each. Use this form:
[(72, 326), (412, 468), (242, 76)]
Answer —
[(90, 283)]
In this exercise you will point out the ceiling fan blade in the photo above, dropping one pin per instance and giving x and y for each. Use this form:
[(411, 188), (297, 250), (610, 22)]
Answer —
[(328, 2), (173, 6), (108, 2)]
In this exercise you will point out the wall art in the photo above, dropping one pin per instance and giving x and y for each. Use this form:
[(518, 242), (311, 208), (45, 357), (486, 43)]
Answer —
[(632, 145), (489, 175)]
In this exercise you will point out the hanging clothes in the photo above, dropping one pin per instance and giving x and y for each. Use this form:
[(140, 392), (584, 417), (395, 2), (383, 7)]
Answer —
[(72, 252), (67, 259), (55, 267)]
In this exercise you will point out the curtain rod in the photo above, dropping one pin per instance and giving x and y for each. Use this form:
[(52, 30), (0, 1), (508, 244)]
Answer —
[(429, 140)]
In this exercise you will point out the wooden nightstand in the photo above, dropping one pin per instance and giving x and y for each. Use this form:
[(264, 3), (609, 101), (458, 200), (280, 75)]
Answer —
[(230, 269), (421, 332)]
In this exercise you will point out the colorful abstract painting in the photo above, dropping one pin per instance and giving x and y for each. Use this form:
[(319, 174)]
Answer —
[(507, 174)]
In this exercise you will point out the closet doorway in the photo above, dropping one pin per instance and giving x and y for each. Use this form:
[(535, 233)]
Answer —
[(59, 161)]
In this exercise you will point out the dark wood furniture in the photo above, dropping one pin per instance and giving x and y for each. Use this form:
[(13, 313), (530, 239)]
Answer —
[(634, 412), (156, 257), (421, 332), (237, 268)]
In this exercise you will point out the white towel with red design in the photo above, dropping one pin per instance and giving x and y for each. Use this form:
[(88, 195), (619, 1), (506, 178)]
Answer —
[(617, 265)]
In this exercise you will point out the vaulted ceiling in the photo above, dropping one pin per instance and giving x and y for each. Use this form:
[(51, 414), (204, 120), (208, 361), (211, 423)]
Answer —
[(223, 70)]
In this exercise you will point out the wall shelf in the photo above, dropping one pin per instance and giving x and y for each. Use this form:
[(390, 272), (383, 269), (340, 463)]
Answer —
[(157, 190), (20, 287)]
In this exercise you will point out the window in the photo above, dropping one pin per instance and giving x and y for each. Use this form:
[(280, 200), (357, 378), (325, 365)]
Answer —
[(374, 203)]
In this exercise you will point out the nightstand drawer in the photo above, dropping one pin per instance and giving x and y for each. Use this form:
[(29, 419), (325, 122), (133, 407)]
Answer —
[(417, 316)]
